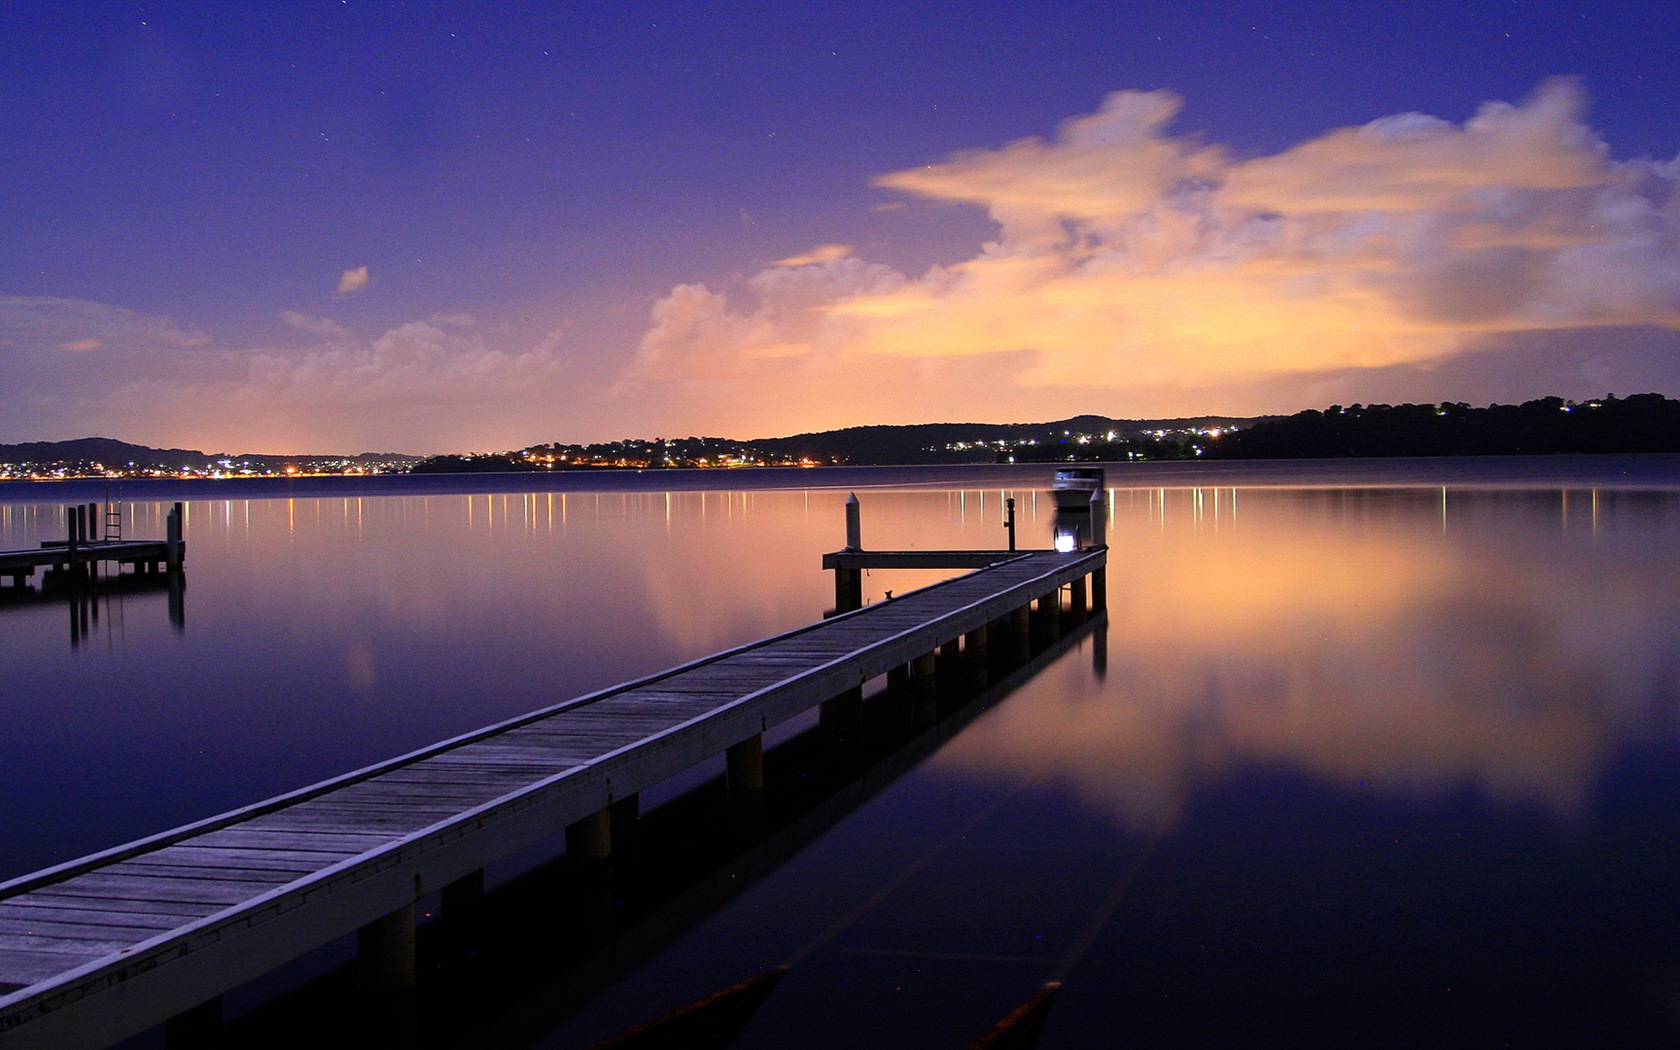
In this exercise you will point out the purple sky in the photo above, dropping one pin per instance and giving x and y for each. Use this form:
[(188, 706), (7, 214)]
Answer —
[(436, 227)]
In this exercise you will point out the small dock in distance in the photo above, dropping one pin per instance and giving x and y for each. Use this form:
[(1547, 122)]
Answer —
[(101, 948), (86, 548)]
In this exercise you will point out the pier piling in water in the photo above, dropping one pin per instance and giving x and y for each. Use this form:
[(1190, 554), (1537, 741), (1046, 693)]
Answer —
[(385, 952)]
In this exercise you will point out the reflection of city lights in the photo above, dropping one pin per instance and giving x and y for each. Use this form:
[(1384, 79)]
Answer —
[(1065, 542)]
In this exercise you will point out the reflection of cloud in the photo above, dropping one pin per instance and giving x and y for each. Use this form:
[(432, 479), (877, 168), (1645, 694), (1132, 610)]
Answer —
[(1362, 656), (1136, 265), (353, 281)]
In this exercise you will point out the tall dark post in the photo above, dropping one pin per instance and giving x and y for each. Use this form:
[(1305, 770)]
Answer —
[(172, 538), (72, 522), (848, 582), (1009, 520), (1099, 538)]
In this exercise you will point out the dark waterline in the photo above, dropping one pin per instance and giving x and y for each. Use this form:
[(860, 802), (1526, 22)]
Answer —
[(1654, 470)]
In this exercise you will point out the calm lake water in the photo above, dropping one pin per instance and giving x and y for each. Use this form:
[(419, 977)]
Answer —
[(1374, 755)]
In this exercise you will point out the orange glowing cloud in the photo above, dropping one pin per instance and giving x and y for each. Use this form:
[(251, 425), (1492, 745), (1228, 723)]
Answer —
[(1134, 267), (822, 253), (353, 281)]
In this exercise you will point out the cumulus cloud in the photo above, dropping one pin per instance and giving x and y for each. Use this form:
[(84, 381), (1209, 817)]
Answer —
[(438, 361), (820, 254), (1138, 270), (436, 384), (353, 281), (43, 326)]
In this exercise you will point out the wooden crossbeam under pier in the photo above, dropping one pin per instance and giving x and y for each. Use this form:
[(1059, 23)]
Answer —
[(100, 948)]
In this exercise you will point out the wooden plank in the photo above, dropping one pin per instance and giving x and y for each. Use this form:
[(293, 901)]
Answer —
[(226, 872), (391, 807), (178, 912), (428, 773), (390, 828), (559, 739), (79, 932), (457, 796), (68, 944), (29, 967), (150, 888), (250, 857), (250, 834)]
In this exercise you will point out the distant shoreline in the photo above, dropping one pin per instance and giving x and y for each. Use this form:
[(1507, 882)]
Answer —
[(1654, 470)]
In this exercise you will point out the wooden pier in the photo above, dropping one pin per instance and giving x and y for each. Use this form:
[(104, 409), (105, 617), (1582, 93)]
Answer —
[(100, 948), (86, 548)]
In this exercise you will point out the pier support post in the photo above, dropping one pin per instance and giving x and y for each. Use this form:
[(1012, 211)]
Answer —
[(978, 670), (898, 678), (172, 538), (72, 516), (1020, 633), (1076, 599), (848, 582), (842, 716), (589, 841), (624, 819), (924, 690), (848, 590), (924, 672), (385, 960), (745, 765), (744, 775), (589, 906), (948, 657), (1050, 609), (1099, 589), (948, 661), (461, 913)]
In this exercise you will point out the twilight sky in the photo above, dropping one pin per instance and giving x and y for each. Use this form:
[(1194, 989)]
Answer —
[(421, 227)]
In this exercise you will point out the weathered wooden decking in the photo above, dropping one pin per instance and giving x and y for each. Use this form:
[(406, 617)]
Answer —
[(103, 947)]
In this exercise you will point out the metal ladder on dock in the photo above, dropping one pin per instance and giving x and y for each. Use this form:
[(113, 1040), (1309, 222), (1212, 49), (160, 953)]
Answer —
[(113, 521)]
